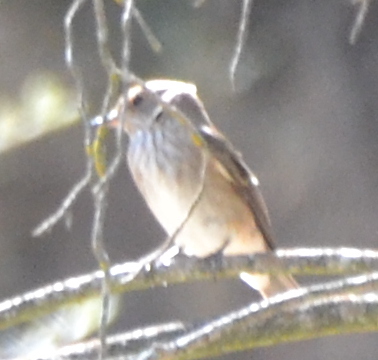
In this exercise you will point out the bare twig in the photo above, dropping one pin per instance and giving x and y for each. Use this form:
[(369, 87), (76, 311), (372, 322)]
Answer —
[(102, 33), (148, 33), (72, 196), (125, 26), (100, 193), (74, 69), (104, 263), (241, 39), (62, 210), (363, 7)]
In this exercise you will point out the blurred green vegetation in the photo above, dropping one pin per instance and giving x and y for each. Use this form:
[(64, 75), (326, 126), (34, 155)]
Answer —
[(45, 104)]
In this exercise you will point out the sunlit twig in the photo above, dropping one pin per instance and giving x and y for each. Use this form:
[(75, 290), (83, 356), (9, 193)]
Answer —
[(72, 196), (148, 33), (241, 39), (100, 193), (363, 7)]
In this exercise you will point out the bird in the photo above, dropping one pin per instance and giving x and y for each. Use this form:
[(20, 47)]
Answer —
[(195, 183)]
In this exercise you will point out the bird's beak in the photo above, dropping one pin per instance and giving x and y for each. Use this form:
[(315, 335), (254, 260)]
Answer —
[(107, 119)]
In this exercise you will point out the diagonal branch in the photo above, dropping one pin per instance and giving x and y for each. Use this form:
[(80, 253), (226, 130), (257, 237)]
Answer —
[(300, 314), (42, 301)]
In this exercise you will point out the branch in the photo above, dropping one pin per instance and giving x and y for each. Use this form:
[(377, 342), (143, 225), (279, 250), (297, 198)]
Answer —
[(42, 301), (300, 314)]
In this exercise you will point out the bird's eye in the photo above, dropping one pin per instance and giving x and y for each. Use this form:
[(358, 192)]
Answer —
[(137, 100)]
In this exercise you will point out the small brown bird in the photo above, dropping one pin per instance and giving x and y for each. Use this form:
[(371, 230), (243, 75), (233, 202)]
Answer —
[(179, 160)]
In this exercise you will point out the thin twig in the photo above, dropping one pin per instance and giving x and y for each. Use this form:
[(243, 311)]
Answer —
[(62, 210), (359, 21), (241, 39), (153, 41), (73, 68), (73, 194), (102, 33), (125, 26), (104, 263), (100, 193)]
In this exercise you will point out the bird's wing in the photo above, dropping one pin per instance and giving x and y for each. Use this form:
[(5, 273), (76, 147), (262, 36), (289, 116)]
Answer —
[(193, 108), (244, 180)]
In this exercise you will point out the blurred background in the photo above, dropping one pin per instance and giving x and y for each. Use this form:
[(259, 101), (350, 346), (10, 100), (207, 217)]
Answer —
[(304, 115)]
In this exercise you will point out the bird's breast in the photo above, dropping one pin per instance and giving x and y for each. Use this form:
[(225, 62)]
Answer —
[(171, 183)]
